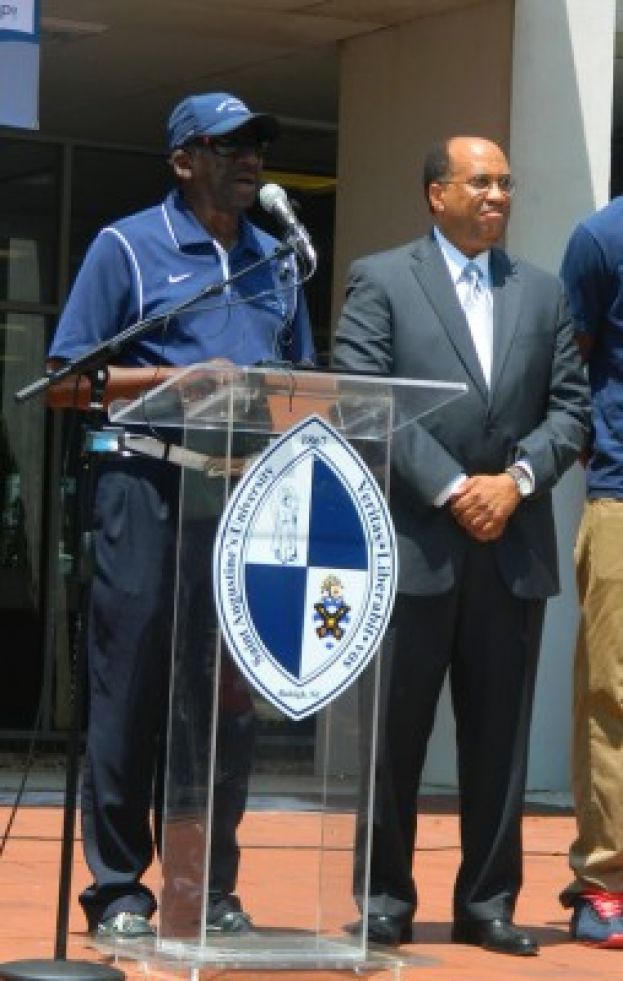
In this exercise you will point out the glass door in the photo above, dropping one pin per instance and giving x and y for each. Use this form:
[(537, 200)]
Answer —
[(29, 194)]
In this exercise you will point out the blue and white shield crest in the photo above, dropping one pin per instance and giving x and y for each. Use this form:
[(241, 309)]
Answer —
[(305, 568)]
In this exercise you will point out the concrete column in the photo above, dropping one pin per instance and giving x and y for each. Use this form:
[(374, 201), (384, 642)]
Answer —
[(401, 90), (560, 139)]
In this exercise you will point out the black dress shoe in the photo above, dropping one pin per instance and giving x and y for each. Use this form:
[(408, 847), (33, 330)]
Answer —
[(384, 929), (226, 915), (497, 935)]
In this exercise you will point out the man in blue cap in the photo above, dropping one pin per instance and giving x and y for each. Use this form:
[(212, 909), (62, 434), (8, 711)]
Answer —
[(138, 267)]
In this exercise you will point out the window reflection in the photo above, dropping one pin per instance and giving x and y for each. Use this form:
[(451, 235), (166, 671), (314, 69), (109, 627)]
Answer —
[(29, 231), (29, 179), (22, 353), (22, 442)]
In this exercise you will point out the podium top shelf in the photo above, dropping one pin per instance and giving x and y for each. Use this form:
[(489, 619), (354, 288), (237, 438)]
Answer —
[(272, 398)]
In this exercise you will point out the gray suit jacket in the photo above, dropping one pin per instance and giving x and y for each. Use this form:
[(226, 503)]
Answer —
[(402, 317)]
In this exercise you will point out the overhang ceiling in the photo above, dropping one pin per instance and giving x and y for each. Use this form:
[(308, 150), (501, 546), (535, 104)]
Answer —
[(112, 69)]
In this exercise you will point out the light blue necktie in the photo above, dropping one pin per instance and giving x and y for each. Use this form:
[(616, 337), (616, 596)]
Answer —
[(477, 308), (472, 275)]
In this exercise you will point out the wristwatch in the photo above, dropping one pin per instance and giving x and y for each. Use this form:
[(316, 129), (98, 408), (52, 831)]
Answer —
[(521, 478)]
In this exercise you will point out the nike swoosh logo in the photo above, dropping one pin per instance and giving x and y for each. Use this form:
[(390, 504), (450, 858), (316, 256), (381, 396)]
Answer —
[(178, 279)]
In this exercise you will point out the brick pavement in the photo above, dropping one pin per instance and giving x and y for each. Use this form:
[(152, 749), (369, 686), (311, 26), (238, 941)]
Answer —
[(28, 894)]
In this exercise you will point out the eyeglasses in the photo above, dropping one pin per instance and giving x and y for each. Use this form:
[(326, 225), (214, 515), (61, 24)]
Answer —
[(232, 146), (482, 183)]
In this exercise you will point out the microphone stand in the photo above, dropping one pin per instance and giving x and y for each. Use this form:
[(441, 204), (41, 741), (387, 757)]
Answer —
[(102, 353), (93, 363)]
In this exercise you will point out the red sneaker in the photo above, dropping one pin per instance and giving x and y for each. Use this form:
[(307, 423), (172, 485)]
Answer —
[(598, 919)]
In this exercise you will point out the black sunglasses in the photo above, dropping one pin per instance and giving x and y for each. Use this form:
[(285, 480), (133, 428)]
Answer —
[(232, 146)]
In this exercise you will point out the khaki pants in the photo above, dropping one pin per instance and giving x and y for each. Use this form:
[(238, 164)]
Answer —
[(596, 856)]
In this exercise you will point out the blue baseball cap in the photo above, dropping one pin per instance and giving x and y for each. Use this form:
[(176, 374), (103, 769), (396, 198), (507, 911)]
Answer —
[(215, 114)]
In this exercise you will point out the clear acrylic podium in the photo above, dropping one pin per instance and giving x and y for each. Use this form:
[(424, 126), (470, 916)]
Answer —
[(309, 780)]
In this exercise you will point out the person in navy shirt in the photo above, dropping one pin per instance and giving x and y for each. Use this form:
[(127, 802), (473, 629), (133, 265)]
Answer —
[(143, 266), (592, 270)]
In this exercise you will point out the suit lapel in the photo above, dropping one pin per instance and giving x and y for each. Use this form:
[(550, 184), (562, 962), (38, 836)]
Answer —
[(432, 273), (506, 303)]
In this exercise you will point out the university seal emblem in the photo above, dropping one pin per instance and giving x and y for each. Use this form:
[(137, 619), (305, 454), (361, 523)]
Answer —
[(305, 569)]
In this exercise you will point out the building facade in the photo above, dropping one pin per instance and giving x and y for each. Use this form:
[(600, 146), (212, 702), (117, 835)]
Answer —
[(362, 91)]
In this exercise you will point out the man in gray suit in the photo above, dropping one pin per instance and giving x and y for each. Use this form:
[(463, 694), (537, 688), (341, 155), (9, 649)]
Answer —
[(470, 497)]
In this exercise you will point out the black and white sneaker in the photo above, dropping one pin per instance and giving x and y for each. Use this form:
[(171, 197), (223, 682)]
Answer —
[(123, 926)]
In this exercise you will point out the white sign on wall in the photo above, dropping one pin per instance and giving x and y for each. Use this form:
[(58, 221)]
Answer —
[(18, 15), (19, 63)]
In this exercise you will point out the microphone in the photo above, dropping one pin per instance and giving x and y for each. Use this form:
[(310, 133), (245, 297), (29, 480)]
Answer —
[(274, 200)]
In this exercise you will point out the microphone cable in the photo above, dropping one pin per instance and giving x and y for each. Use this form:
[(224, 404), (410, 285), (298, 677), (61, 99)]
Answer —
[(30, 757)]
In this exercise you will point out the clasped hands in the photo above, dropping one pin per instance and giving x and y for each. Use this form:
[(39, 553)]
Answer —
[(483, 504)]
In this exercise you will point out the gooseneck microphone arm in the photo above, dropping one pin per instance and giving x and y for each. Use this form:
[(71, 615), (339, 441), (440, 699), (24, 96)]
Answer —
[(96, 357)]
